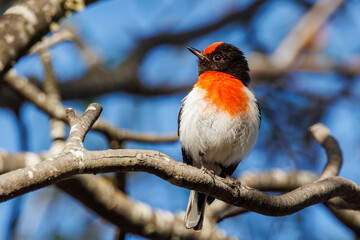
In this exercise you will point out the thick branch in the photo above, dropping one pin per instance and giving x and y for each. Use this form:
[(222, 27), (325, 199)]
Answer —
[(280, 181), (265, 181), (101, 196), (75, 160), (10, 162), (67, 164), (275, 180), (23, 24)]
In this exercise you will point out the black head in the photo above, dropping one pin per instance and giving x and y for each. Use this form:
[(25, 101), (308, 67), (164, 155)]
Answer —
[(223, 57)]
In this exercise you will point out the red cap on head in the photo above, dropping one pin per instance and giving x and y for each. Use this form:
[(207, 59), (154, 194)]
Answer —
[(212, 48)]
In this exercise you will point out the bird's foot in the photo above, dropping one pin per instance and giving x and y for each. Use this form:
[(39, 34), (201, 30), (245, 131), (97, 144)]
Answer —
[(210, 172), (233, 183)]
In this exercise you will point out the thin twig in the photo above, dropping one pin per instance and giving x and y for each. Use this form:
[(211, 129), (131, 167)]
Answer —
[(55, 110), (57, 37)]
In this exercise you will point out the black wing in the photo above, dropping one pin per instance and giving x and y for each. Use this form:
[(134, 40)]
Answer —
[(179, 119), (258, 106), (186, 157)]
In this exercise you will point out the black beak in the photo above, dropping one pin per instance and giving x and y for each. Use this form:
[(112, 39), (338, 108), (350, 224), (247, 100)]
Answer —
[(197, 53)]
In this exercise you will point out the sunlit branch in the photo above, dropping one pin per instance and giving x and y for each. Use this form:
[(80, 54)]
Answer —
[(76, 160), (23, 24)]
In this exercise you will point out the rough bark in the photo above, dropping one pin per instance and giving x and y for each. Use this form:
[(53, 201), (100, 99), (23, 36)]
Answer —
[(23, 24)]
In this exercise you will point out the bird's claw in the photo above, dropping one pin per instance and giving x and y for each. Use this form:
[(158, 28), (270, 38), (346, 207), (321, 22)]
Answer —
[(233, 183), (210, 172)]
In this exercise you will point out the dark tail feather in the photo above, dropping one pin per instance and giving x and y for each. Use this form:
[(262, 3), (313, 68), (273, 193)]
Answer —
[(195, 210), (210, 199)]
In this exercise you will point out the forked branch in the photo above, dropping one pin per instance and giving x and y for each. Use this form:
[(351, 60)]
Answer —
[(76, 160)]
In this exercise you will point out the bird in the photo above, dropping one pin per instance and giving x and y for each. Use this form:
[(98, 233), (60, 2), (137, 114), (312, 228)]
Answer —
[(219, 120)]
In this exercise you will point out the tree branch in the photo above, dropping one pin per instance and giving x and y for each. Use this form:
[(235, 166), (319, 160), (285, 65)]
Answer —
[(333, 152), (23, 24), (275, 180), (283, 182), (91, 190), (137, 218), (57, 127), (57, 37), (55, 110), (101, 196), (280, 181), (75, 160)]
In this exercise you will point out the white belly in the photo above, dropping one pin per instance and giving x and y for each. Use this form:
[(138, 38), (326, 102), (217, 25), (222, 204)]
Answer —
[(222, 139)]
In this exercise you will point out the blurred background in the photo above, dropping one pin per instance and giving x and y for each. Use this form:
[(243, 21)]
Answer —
[(131, 57)]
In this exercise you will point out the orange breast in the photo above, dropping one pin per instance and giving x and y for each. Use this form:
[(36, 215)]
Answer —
[(224, 91)]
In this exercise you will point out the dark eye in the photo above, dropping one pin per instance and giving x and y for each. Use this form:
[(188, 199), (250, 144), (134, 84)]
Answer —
[(217, 57)]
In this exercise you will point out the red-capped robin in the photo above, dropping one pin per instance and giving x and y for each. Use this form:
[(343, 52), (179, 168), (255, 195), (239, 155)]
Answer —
[(219, 119)]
